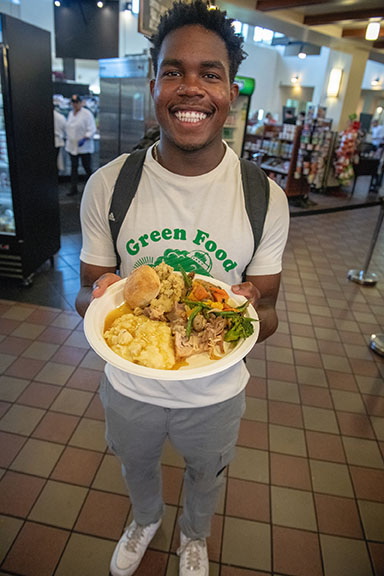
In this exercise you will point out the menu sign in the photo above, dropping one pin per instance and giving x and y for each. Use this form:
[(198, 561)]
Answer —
[(150, 14)]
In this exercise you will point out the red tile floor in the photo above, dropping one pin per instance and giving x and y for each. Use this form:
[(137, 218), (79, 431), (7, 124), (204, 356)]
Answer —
[(305, 494)]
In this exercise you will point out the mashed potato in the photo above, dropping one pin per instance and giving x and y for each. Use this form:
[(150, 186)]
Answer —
[(144, 336), (141, 340)]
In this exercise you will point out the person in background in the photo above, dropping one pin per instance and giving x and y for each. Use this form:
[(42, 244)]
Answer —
[(377, 132), (377, 141), (191, 182), (59, 130), (289, 117), (269, 119), (300, 119), (80, 130)]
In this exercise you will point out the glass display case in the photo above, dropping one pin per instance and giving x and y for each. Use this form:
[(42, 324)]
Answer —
[(7, 217), (29, 206), (235, 127)]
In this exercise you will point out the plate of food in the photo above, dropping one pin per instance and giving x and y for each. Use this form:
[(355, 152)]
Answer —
[(169, 325)]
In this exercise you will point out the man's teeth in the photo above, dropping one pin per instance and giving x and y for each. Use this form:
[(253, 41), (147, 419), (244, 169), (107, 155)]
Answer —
[(190, 116)]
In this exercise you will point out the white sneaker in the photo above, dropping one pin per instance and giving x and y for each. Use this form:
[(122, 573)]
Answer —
[(193, 557), (131, 547)]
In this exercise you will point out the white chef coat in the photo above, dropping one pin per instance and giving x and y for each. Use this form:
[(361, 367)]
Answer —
[(378, 135), (78, 126), (59, 128)]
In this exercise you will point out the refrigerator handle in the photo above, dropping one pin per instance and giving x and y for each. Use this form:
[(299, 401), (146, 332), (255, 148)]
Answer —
[(4, 63), (4, 71)]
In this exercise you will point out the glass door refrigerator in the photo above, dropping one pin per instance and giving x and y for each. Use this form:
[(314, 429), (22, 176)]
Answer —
[(235, 128), (126, 110), (29, 208)]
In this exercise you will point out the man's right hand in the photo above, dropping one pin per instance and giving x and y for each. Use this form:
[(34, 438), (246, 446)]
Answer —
[(94, 282), (101, 284)]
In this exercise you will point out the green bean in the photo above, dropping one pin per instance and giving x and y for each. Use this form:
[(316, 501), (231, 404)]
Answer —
[(186, 278), (192, 316), (194, 303)]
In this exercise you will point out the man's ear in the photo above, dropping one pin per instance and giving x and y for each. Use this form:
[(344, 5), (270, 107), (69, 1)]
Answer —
[(152, 86), (234, 91)]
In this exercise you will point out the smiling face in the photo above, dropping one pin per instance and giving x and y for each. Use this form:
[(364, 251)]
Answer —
[(192, 91)]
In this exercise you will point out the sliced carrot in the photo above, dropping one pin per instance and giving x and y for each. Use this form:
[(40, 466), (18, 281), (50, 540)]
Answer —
[(199, 292), (221, 291), (220, 295)]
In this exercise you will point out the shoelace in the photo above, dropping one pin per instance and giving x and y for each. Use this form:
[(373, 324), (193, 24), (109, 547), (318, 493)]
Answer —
[(192, 548), (134, 538)]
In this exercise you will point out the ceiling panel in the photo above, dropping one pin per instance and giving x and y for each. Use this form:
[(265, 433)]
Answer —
[(348, 17)]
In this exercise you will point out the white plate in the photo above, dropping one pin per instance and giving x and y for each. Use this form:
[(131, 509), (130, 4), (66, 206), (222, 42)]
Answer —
[(198, 366)]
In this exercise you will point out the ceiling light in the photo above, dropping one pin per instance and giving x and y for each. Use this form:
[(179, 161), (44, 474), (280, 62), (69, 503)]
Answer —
[(376, 81), (236, 24), (57, 3), (373, 30), (334, 82), (379, 109), (295, 79), (94, 88), (100, 4), (302, 55)]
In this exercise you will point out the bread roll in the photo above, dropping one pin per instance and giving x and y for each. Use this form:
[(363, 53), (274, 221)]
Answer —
[(141, 286)]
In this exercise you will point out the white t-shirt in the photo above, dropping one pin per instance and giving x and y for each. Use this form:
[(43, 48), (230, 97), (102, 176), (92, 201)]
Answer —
[(78, 126), (197, 221)]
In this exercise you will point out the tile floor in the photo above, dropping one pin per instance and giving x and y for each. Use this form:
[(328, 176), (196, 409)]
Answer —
[(305, 494)]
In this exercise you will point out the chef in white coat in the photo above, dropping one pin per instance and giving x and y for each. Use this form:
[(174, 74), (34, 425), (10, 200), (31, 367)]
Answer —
[(80, 130), (377, 131)]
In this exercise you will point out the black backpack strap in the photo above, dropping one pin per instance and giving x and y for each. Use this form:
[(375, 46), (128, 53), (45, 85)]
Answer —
[(256, 196), (255, 186), (124, 192)]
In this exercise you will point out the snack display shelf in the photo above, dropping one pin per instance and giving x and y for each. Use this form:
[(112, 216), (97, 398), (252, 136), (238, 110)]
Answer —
[(268, 155), (271, 168), (279, 142), (316, 145), (29, 206)]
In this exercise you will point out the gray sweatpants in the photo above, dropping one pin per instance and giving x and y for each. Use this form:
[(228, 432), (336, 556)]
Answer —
[(205, 437)]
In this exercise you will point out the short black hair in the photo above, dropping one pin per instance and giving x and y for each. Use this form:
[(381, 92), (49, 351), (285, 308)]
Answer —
[(199, 13)]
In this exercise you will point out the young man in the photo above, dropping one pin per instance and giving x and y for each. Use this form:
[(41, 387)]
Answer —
[(189, 208)]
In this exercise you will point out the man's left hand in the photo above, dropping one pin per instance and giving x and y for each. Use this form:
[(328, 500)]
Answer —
[(248, 290)]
